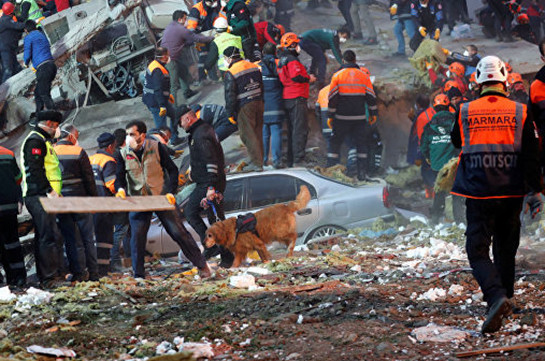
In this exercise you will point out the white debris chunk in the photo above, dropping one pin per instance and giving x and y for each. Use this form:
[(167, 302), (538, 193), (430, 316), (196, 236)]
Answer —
[(33, 297), (437, 333), (242, 281), (455, 290), (433, 294), (6, 295)]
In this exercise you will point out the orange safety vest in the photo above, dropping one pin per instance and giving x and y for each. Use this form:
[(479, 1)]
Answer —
[(348, 92), (248, 81), (423, 119), (104, 183), (489, 165), (154, 65), (322, 108)]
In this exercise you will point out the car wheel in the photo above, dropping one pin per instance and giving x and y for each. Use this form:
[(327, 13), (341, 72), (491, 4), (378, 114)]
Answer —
[(324, 231)]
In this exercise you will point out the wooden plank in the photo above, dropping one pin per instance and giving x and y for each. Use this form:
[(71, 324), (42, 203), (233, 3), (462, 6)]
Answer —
[(499, 349), (105, 204)]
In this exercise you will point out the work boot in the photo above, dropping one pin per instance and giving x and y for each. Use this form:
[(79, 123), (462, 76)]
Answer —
[(205, 272), (370, 41), (211, 252), (94, 277), (498, 311), (227, 258), (53, 284), (357, 36)]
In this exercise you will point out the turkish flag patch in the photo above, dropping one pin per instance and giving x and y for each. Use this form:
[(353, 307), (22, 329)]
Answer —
[(36, 151), (241, 11), (129, 157)]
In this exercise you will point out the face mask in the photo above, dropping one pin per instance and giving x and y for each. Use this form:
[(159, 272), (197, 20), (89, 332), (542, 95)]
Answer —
[(223, 3), (132, 143), (214, 4), (466, 53), (448, 73), (225, 63), (298, 49), (342, 40)]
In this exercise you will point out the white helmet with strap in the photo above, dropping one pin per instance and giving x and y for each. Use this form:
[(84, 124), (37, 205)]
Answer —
[(491, 68), (220, 24)]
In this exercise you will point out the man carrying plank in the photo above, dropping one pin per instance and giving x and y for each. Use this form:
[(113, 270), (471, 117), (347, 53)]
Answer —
[(141, 169)]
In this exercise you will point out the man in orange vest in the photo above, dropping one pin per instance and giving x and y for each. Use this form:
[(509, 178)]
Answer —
[(244, 103), (498, 166), (350, 96), (157, 95)]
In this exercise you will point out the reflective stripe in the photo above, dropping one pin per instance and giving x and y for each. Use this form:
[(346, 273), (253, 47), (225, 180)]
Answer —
[(274, 112), (7, 207), (332, 155), (518, 127), (362, 155), (103, 261), (72, 181), (104, 245), (6, 156), (327, 130), (350, 117), (250, 93), (245, 71), (99, 182), (12, 245), (18, 265), (110, 178), (67, 156)]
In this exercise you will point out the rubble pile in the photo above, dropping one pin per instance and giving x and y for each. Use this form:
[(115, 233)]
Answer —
[(408, 292)]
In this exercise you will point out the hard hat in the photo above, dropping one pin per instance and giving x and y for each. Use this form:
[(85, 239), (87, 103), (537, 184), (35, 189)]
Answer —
[(221, 23), (281, 28), (523, 19), (289, 39), (514, 78), (472, 78), (508, 67), (491, 68), (8, 8), (450, 84), (458, 69), (441, 99), (365, 70)]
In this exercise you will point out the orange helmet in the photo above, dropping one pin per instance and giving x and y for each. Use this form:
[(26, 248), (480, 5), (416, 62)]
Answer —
[(458, 69), (441, 99), (473, 78), (365, 70), (514, 78), (508, 67), (289, 39), (281, 28), (523, 19), (451, 84)]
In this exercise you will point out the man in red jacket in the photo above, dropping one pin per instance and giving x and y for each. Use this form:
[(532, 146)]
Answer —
[(295, 79)]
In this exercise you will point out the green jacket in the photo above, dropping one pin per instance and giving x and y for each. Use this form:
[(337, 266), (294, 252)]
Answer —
[(326, 39), (435, 143), (240, 19)]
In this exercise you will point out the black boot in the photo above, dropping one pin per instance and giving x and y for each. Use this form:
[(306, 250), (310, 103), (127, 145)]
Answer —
[(362, 169), (211, 252), (227, 258)]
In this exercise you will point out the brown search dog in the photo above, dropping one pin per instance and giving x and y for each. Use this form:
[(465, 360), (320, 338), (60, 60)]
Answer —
[(274, 223)]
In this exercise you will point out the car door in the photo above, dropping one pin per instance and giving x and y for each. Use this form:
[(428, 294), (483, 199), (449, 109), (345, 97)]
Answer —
[(267, 190)]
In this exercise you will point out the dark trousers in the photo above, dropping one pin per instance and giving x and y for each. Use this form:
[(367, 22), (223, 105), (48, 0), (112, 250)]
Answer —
[(296, 112), (104, 233), (496, 222), (251, 49), (503, 18), (179, 78), (172, 221), (10, 65), (122, 236), (454, 12), (319, 64), (355, 132), (203, 54), (78, 232), (344, 7), (11, 253), (47, 240), (250, 124), (224, 128), (192, 212), (45, 74), (438, 207)]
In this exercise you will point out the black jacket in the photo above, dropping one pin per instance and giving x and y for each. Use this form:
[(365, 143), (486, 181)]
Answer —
[(10, 33), (34, 152), (10, 183), (156, 89), (78, 179), (246, 82), (206, 156)]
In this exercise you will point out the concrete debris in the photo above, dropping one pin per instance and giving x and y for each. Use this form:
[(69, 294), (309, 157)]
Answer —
[(50, 351), (436, 333), (433, 294), (199, 349), (242, 281), (6, 295)]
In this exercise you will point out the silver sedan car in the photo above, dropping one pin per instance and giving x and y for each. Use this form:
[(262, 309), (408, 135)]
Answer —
[(334, 206)]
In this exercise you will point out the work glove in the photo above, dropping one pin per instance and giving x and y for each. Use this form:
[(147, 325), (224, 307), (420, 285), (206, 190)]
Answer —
[(423, 31), (170, 198), (429, 65), (181, 179), (52, 194), (330, 123), (171, 99), (372, 119), (178, 153), (393, 9), (533, 200), (232, 120), (437, 34), (162, 111), (446, 51), (121, 193)]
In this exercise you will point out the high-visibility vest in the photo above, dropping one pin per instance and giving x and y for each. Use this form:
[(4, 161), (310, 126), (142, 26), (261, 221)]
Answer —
[(423, 119), (322, 109), (248, 81), (104, 182), (223, 41), (35, 12), (490, 166), (350, 87), (151, 67), (51, 164)]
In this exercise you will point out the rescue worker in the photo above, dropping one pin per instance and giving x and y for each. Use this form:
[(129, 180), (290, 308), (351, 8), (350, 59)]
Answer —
[(11, 203), (295, 79), (283, 12), (351, 95), (222, 41), (30, 10), (517, 91), (498, 166), (38, 51), (361, 8), (217, 117), (469, 58), (267, 32), (78, 181), (104, 168), (201, 18), (437, 150), (315, 43), (143, 165), (400, 10), (42, 177), (321, 111), (241, 23), (10, 33), (428, 15), (425, 170), (422, 104), (244, 103), (207, 171), (157, 95), (274, 115), (502, 20), (176, 38)]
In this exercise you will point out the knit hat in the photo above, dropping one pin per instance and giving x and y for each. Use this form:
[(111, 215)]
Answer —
[(52, 115), (232, 52), (105, 139), (454, 92)]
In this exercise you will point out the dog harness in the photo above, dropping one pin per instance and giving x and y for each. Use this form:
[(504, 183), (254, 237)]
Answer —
[(246, 223)]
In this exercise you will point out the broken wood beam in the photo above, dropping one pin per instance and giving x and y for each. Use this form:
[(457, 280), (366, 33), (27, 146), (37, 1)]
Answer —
[(499, 349), (106, 204)]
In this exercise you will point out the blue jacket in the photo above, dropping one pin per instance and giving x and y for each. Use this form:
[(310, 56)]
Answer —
[(274, 103), (37, 48)]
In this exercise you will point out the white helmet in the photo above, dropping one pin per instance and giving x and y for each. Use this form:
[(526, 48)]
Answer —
[(220, 24), (490, 68)]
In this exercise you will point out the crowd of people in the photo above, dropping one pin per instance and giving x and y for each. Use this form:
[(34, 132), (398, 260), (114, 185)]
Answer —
[(476, 111)]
